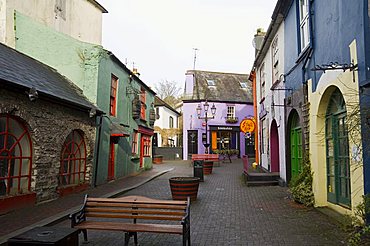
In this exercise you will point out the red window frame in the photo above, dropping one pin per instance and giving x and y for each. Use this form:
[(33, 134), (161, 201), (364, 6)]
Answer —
[(147, 146), (143, 105), (134, 143), (73, 160), (15, 156), (113, 95)]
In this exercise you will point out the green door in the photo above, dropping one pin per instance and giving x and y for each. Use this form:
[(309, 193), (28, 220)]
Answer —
[(296, 150), (295, 145), (337, 152)]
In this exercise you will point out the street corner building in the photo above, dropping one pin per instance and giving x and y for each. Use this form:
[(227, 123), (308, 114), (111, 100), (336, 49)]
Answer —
[(214, 105), (47, 136)]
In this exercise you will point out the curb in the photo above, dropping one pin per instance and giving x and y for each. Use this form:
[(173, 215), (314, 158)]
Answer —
[(64, 215)]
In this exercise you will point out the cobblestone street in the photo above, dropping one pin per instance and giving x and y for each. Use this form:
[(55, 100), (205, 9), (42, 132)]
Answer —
[(227, 212)]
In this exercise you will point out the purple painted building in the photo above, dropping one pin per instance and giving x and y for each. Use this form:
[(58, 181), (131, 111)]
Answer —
[(230, 100)]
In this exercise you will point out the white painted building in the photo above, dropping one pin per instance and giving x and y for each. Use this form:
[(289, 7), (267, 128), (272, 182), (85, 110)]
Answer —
[(80, 19), (166, 125), (270, 94)]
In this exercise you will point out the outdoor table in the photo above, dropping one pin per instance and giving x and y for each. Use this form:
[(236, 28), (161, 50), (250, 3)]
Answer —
[(46, 236)]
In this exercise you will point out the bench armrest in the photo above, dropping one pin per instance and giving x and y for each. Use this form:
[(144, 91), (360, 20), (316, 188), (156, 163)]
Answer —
[(186, 220), (78, 216)]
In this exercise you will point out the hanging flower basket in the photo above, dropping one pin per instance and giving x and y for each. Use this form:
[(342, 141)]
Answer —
[(183, 187)]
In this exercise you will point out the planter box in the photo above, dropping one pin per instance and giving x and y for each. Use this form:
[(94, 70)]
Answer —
[(183, 187), (63, 191), (158, 159), (207, 167)]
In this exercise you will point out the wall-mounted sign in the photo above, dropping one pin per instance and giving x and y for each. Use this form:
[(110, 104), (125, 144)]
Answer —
[(247, 125), (224, 128)]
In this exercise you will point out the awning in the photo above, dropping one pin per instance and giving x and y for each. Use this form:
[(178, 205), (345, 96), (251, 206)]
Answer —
[(116, 130), (146, 131)]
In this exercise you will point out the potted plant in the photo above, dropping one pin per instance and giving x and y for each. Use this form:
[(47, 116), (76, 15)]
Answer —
[(158, 159), (183, 187)]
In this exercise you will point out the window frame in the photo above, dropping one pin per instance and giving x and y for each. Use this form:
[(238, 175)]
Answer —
[(113, 95), (170, 122), (275, 59), (230, 114), (12, 182), (146, 145), (262, 82), (80, 162), (134, 145), (304, 25), (143, 104)]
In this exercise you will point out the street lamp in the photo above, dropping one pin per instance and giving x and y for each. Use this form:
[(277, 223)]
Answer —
[(206, 117)]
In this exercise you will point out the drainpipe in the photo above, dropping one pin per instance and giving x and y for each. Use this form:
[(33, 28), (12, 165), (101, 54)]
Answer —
[(97, 151)]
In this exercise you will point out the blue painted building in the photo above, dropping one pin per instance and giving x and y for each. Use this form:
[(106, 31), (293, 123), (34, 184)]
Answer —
[(326, 73)]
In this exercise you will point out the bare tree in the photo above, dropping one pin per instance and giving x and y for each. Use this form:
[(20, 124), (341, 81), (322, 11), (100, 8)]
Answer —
[(168, 91)]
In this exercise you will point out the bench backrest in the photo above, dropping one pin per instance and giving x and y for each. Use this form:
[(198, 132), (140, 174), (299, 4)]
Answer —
[(136, 207), (204, 157)]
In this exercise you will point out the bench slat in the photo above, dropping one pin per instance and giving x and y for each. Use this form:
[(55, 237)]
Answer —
[(136, 199), (128, 227), (136, 211), (129, 205), (124, 216)]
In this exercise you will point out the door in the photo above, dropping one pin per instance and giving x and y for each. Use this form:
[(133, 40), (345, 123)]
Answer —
[(296, 150), (111, 162), (192, 142), (141, 151), (274, 145), (337, 152), (249, 145)]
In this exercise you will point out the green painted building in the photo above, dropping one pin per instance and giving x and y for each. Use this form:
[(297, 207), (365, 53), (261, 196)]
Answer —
[(124, 131)]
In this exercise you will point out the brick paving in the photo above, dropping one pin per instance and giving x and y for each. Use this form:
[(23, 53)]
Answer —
[(229, 213), (226, 213)]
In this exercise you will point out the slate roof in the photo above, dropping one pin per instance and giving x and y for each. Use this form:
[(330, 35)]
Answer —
[(159, 102), (227, 87), (19, 70)]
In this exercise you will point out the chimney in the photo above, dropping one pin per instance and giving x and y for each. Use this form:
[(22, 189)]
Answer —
[(134, 70), (258, 40)]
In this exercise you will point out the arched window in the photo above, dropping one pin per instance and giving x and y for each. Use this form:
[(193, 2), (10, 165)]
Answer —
[(15, 156), (337, 151), (73, 160)]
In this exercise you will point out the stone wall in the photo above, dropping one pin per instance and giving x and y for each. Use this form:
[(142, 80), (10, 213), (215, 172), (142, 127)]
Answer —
[(169, 153), (49, 124)]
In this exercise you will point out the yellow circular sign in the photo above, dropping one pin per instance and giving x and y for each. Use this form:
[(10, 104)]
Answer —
[(247, 125)]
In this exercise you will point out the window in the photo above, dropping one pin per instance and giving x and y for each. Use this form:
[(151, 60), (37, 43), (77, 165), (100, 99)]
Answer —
[(264, 137), (143, 105), (113, 95), (230, 112), (15, 156), (262, 81), (146, 150), (73, 160), (304, 25), (211, 82), (275, 60), (134, 143), (171, 122)]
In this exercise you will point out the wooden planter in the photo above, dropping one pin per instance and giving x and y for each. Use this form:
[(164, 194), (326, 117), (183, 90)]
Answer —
[(182, 187), (158, 159), (207, 167)]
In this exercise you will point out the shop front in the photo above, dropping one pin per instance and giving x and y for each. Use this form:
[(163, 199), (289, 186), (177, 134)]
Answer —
[(226, 137)]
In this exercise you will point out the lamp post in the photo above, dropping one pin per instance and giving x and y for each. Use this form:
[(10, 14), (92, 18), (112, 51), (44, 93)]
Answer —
[(206, 117)]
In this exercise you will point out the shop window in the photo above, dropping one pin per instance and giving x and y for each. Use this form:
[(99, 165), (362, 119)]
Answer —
[(113, 95), (146, 144), (15, 157), (134, 143), (73, 160)]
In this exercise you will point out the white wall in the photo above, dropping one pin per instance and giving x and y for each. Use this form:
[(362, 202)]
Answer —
[(164, 123), (276, 97), (83, 20)]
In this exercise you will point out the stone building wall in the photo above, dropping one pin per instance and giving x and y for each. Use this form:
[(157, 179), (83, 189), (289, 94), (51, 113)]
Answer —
[(49, 124)]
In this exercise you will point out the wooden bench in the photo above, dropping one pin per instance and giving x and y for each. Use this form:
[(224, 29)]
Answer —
[(205, 157), (123, 214)]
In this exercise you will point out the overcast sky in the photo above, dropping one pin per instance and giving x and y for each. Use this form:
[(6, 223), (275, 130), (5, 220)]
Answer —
[(159, 37)]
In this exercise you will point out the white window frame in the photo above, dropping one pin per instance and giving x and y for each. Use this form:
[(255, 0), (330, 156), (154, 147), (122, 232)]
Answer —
[(263, 81), (230, 112), (304, 23), (275, 59)]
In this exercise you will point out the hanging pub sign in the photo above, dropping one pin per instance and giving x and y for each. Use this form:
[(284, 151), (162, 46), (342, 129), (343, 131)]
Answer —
[(247, 125)]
